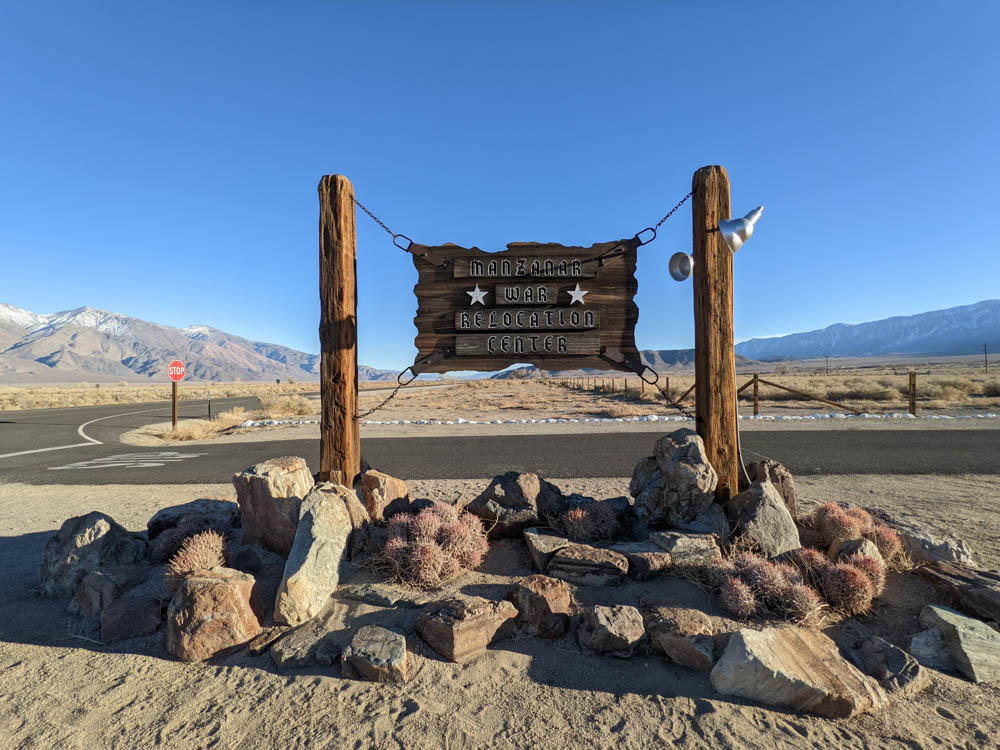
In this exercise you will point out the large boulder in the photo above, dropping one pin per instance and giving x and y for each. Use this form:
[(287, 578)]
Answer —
[(588, 566), (82, 545), (761, 518), (616, 631), (896, 670), (131, 617), (543, 604), (687, 549), (211, 612), (683, 634), (384, 495), (376, 654), (676, 484), (460, 628), (312, 570), (778, 475), (795, 668), (516, 500), (101, 587), (269, 496), (974, 646)]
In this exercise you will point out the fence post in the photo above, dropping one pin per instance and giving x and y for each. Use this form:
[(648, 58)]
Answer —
[(913, 393), (666, 385), (756, 401), (714, 365), (340, 440)]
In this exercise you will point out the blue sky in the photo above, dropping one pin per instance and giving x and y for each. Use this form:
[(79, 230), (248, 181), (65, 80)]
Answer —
[(161, 159)]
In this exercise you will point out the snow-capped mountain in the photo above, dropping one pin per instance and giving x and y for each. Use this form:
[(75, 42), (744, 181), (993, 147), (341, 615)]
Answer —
[(957, 330), (93, 344)]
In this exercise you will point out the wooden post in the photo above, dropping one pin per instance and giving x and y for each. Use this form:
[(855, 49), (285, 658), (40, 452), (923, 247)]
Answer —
[(666, 385), (913, 393), (756, 395), (715, 366), (173, 399), (340, 439)]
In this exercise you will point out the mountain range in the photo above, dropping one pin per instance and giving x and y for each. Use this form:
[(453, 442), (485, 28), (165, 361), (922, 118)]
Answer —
[(96, 345), (954, 331)]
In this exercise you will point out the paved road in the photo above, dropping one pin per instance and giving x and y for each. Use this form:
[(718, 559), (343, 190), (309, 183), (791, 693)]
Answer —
[(80, 446)]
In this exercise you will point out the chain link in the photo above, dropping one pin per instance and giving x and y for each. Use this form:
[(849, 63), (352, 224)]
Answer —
[(387, 399), (675, 404), (671, 212)]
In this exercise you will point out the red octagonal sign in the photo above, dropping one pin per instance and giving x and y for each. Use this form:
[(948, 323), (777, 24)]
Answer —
[(175, 371)]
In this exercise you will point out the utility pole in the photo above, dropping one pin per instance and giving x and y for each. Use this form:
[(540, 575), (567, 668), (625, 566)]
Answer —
[(986, 361), (827, 364)]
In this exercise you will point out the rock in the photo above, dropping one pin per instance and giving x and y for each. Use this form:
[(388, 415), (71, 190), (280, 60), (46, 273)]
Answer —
[(514, 501), (220, 515), (265, 639), (645, 559), (82, 545), (616, 631), (687, 549), (542, 544), (209, 613), (102, 586), (761, 518), (364, 538), (923, 546), (676, 484), (384, 495), (711, 521), (312, 570), (376, 654), (588, 566), (684, 635), (841, 548), (460, 628), (896, 670), (543, 604), (795, 668), (131, 617), (375, 594), (779, 476), (929, 649), (269, 495), (974, 645), (255, 560), (977, 591), (318, 643)]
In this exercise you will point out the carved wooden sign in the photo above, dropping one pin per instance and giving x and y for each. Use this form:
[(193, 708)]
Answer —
[(556, 307)]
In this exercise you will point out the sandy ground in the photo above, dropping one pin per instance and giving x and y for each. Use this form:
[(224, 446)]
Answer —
[(57, 691)]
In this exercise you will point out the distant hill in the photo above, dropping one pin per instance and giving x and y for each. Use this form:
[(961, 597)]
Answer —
[(97, 345), (956, 330)]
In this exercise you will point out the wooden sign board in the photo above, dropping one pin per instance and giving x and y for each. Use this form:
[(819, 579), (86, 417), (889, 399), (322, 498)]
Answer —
[(556, 307)]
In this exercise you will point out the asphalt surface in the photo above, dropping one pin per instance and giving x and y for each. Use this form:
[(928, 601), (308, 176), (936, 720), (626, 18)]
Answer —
[(80, 446)]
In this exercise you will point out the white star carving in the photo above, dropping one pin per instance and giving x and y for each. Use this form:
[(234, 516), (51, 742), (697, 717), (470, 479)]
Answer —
[(477, 295), (577, 294)]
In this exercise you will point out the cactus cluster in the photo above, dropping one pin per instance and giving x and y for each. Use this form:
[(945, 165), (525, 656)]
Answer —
[(748, 584), (169, 541), (588, 522), (849, 585), (834, 522), (202, 551), (433, 546)]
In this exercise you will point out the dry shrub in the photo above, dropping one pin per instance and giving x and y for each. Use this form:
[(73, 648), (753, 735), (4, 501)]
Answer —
[(432, 547), (202, 551), (273, 406), (991, 389)]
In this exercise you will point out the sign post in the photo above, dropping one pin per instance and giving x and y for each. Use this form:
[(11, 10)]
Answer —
[(175, 371), (714, 356), (340, 439)]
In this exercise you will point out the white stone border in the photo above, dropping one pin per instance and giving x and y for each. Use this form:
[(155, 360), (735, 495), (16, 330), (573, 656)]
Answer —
[(649, 418)]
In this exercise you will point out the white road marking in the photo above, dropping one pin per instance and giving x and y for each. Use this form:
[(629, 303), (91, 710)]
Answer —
[(129, 460), (81, 433)]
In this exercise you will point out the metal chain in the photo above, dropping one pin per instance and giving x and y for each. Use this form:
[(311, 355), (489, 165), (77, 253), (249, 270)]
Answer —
[(670, 213), (675, 404), (388, 398), (376, 219)]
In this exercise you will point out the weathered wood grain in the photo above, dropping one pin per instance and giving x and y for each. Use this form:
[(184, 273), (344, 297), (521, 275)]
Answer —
[(340, 439), (714, 366), (442, 288)]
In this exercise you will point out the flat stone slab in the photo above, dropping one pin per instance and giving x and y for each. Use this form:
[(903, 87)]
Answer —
[(375, 594), (376, 654), (796, 668), (896, 670), (588, 566), (685, 548), (542, 544), (929, 649), (460, 628), (684, 635), (974, 645), (976, 591), (645, 559), (319, 642)]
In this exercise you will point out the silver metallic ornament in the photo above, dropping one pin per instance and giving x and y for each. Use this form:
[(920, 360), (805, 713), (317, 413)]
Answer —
[(737, 231)]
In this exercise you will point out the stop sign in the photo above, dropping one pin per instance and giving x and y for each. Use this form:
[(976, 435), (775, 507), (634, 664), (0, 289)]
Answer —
[(175, 371)]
